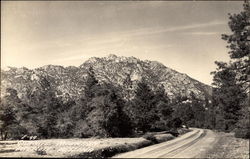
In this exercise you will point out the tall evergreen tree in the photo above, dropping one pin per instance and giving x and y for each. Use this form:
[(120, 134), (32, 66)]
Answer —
[(231, 81), (45, 107), (143, 108), (90, 83), (128, 87), (10, 115), (239, 44), (107, 117), (89, 93), (163, 109), (227, 95)]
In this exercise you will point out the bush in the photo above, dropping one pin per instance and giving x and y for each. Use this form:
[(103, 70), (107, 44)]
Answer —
[(82, 130), (150, 137), (164, 137), (158, 126), (183, 131), (107, 152), (242, 133), (40, 151), (173, 132), (16, 131)]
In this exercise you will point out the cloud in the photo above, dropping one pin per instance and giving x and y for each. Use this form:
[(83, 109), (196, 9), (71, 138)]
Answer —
[(124, 36), (202, 33), (118, 40), (147, 31)]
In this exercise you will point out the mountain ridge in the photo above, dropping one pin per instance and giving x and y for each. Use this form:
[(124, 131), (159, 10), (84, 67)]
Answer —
[(70, 80)]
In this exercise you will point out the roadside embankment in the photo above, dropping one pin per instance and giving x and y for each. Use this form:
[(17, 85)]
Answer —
[(228, 146), (78, 148)]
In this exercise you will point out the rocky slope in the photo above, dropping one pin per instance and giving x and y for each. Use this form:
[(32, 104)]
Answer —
[(70, 81)]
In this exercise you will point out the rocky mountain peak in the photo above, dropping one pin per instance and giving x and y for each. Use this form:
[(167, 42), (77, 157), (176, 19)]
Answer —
[(112, 69), (112, 56)]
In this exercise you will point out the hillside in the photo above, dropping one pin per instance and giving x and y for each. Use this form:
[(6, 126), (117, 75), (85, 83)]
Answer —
[(125, 72)]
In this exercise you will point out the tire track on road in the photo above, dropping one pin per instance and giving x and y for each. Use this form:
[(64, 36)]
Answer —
[(171, 144), (183, 147), (158, 149)]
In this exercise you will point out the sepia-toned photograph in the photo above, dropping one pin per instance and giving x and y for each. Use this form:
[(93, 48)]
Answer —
[(125, 79)]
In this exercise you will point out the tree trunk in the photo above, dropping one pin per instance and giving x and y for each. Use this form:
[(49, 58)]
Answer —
[(1, 134), (5, 135)]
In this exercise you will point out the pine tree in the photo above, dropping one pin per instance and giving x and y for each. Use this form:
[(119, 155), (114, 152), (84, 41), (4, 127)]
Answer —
[(231, 80), (84, 106), (143, 108), (239, 44), (228, 95), (107, 117), (163, 109), (10, 110), (90, 89), (198, 109), (44, 108), (90, 83), (128, 87)]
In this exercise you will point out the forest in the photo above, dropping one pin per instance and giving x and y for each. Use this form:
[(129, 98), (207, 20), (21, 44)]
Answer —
[(102, 111)]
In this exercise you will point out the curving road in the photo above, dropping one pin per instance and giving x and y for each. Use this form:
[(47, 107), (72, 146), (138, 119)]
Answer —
[(193, 144)]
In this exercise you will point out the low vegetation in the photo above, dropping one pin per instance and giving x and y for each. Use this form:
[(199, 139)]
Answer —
[(40, 151), (229, 147), (77, 148)]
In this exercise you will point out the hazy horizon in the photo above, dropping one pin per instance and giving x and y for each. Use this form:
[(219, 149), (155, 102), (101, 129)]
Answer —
[(185, 36)]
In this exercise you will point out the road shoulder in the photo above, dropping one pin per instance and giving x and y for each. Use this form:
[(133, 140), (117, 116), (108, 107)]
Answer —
[(228, 146)]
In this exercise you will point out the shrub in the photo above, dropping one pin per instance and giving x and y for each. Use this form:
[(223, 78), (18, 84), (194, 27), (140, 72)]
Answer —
[(176, 122), (164, 137), (40, 151), (111, 151), (183, 131), (82, 130), (150, 137), (173, 132), (242, 133), (158, 126)]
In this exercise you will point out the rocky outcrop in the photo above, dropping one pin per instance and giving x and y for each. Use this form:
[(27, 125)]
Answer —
[(70, 81)]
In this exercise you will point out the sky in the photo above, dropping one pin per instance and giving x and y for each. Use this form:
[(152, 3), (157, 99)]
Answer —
[(185, 36)]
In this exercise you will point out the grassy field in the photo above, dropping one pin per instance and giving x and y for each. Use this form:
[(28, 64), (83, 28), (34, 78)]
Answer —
[(90, 147), (230, 147)]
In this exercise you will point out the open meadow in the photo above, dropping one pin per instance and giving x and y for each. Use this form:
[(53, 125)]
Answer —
[(75, 147)]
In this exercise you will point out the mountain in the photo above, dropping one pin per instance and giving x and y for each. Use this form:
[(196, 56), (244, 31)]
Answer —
[(125, 72)]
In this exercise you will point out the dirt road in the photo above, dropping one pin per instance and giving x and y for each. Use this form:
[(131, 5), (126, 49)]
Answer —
[(193, 144)]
